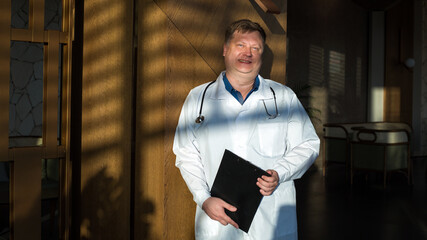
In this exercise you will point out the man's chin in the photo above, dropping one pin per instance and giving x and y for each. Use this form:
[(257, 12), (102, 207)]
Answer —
[(249, 75), (248, 71)]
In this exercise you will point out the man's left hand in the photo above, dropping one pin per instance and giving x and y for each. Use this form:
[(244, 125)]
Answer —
[(267, 184)]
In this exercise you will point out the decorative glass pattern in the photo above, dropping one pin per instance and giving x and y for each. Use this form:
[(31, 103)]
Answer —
[(20, 10), (26, 89), (53, 15)]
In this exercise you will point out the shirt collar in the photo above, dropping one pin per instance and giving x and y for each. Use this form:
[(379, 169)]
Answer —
[(233, 91), (229, 87), (263, 91)]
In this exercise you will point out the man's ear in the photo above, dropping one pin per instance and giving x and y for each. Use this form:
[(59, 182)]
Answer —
[(224, 49)]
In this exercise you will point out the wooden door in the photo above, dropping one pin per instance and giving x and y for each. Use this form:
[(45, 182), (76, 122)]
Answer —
[(398, 77), (35, 42)]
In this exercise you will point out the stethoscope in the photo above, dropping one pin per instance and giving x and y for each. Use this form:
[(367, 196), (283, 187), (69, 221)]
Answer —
[(201, 118)]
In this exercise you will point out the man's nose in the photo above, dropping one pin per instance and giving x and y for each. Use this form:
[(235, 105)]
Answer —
[(248, 51)]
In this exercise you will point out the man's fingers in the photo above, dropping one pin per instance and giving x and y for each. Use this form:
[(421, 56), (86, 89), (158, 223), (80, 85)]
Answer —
[(215, 209), (272, 178), (268, 184), (234, 224), (265, 185), (267, 179), (223, 222), (266, 193), (229, 207), (231, 222), (225, 217)]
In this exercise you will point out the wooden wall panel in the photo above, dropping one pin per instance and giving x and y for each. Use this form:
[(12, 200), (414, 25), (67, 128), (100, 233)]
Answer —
[(26, 201), (5, 15), (203, 24), (150, 117), (106, 119), (185, 70)]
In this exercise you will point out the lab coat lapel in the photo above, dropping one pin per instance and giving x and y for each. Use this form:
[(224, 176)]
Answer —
[(225, 110), (256, 108), (241, 120), (264, 91), (220, 91)]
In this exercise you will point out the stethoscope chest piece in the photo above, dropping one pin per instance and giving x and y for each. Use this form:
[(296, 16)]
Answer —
[(200, 119)]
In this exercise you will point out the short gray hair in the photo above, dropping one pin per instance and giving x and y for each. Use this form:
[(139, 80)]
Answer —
[(244, 26)]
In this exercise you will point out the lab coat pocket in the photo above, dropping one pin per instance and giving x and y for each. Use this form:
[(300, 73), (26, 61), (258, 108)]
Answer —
[(270, 139)]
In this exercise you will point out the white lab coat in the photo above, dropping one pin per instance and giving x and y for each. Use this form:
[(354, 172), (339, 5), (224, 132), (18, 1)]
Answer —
[(287, 144)]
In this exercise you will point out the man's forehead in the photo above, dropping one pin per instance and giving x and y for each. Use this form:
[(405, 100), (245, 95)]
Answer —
[(241, 33), (244, 32)]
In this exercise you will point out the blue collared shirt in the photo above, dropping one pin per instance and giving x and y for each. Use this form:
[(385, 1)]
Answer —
[(236, 94)]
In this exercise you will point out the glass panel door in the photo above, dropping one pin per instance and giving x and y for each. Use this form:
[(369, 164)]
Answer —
[(36, 39)]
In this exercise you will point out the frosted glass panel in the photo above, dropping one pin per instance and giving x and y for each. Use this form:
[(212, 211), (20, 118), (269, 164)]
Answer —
[(26, 90), (19, 13), (53, 15)]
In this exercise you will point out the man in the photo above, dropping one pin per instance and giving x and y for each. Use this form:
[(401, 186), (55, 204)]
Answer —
[(259, 120)]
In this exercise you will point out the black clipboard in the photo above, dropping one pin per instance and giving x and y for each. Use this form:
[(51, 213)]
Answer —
[(235, 183)]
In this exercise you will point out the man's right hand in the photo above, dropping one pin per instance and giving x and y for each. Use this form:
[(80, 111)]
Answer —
[(214, 208)]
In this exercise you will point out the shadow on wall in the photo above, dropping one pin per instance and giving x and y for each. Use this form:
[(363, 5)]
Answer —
[(269, 19), (267, 63), (107, 204)]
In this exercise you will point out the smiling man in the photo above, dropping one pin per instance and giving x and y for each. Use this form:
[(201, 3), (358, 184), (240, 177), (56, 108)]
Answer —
[(258, 119), (242, 57)]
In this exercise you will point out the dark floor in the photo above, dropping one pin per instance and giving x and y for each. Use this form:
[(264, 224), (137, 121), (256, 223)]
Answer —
[(330, 208)]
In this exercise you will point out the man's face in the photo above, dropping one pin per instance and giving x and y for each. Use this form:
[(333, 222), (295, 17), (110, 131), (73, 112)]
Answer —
[(242, 54)]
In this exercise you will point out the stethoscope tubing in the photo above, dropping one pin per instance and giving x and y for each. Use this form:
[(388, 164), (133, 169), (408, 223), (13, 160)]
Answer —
[(201, 118)]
